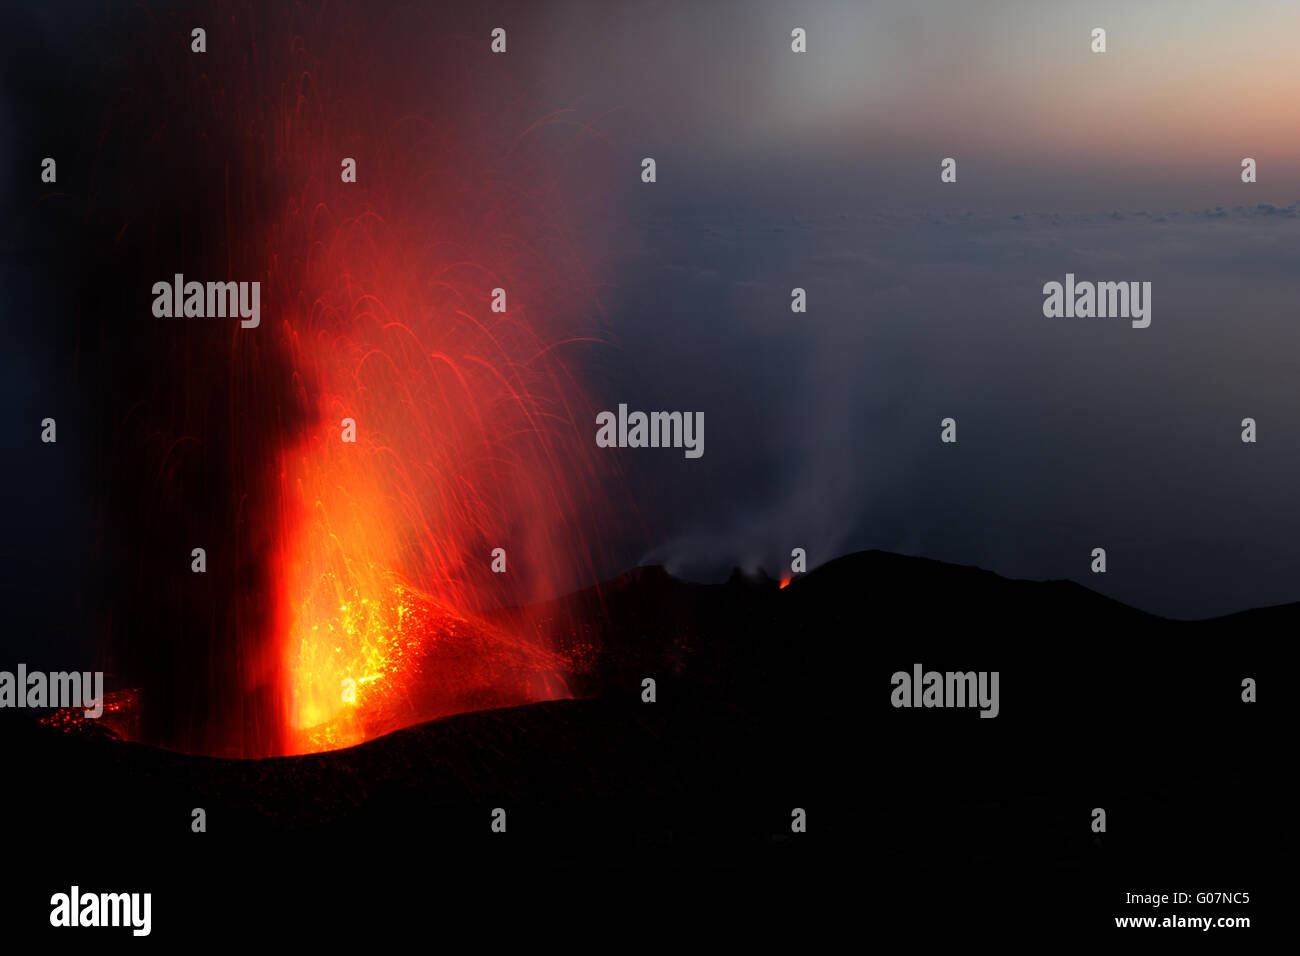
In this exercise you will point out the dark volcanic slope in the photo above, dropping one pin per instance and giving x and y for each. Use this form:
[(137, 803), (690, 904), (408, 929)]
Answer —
[(768, 699)]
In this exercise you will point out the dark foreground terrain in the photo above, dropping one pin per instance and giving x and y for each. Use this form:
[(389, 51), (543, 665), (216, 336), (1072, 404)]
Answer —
[(644, 818)]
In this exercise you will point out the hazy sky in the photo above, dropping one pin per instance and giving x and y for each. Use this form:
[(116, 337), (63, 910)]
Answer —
[(1012, 90), (821, 170)]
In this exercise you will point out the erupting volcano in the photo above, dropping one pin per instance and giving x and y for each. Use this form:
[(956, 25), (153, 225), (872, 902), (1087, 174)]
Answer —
[(423, 318), (400, 445), (464, 436)]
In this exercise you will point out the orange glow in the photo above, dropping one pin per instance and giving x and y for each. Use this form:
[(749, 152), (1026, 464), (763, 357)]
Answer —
[(387, 539), (406, 406), (433, 423)]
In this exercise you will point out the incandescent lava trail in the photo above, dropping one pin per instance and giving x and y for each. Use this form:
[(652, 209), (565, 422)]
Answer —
[(346, 578)]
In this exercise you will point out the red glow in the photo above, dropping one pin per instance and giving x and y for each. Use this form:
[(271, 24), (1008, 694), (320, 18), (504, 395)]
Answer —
[(470, 431), (470, 435), (460, 448)]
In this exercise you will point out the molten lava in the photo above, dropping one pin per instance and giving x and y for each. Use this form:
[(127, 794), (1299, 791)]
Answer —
[(406, 406), (389, 536), (439, 430)]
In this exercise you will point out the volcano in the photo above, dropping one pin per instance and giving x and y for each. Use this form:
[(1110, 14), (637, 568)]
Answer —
[(770, 699)]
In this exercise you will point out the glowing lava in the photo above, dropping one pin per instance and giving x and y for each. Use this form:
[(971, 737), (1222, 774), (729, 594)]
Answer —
[(389, 537), (442, 430), (432, 306), (425, 311)]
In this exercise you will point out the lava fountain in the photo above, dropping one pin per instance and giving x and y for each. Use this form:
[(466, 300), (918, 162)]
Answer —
[(408, 404), (425, 323), (442, 432)]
